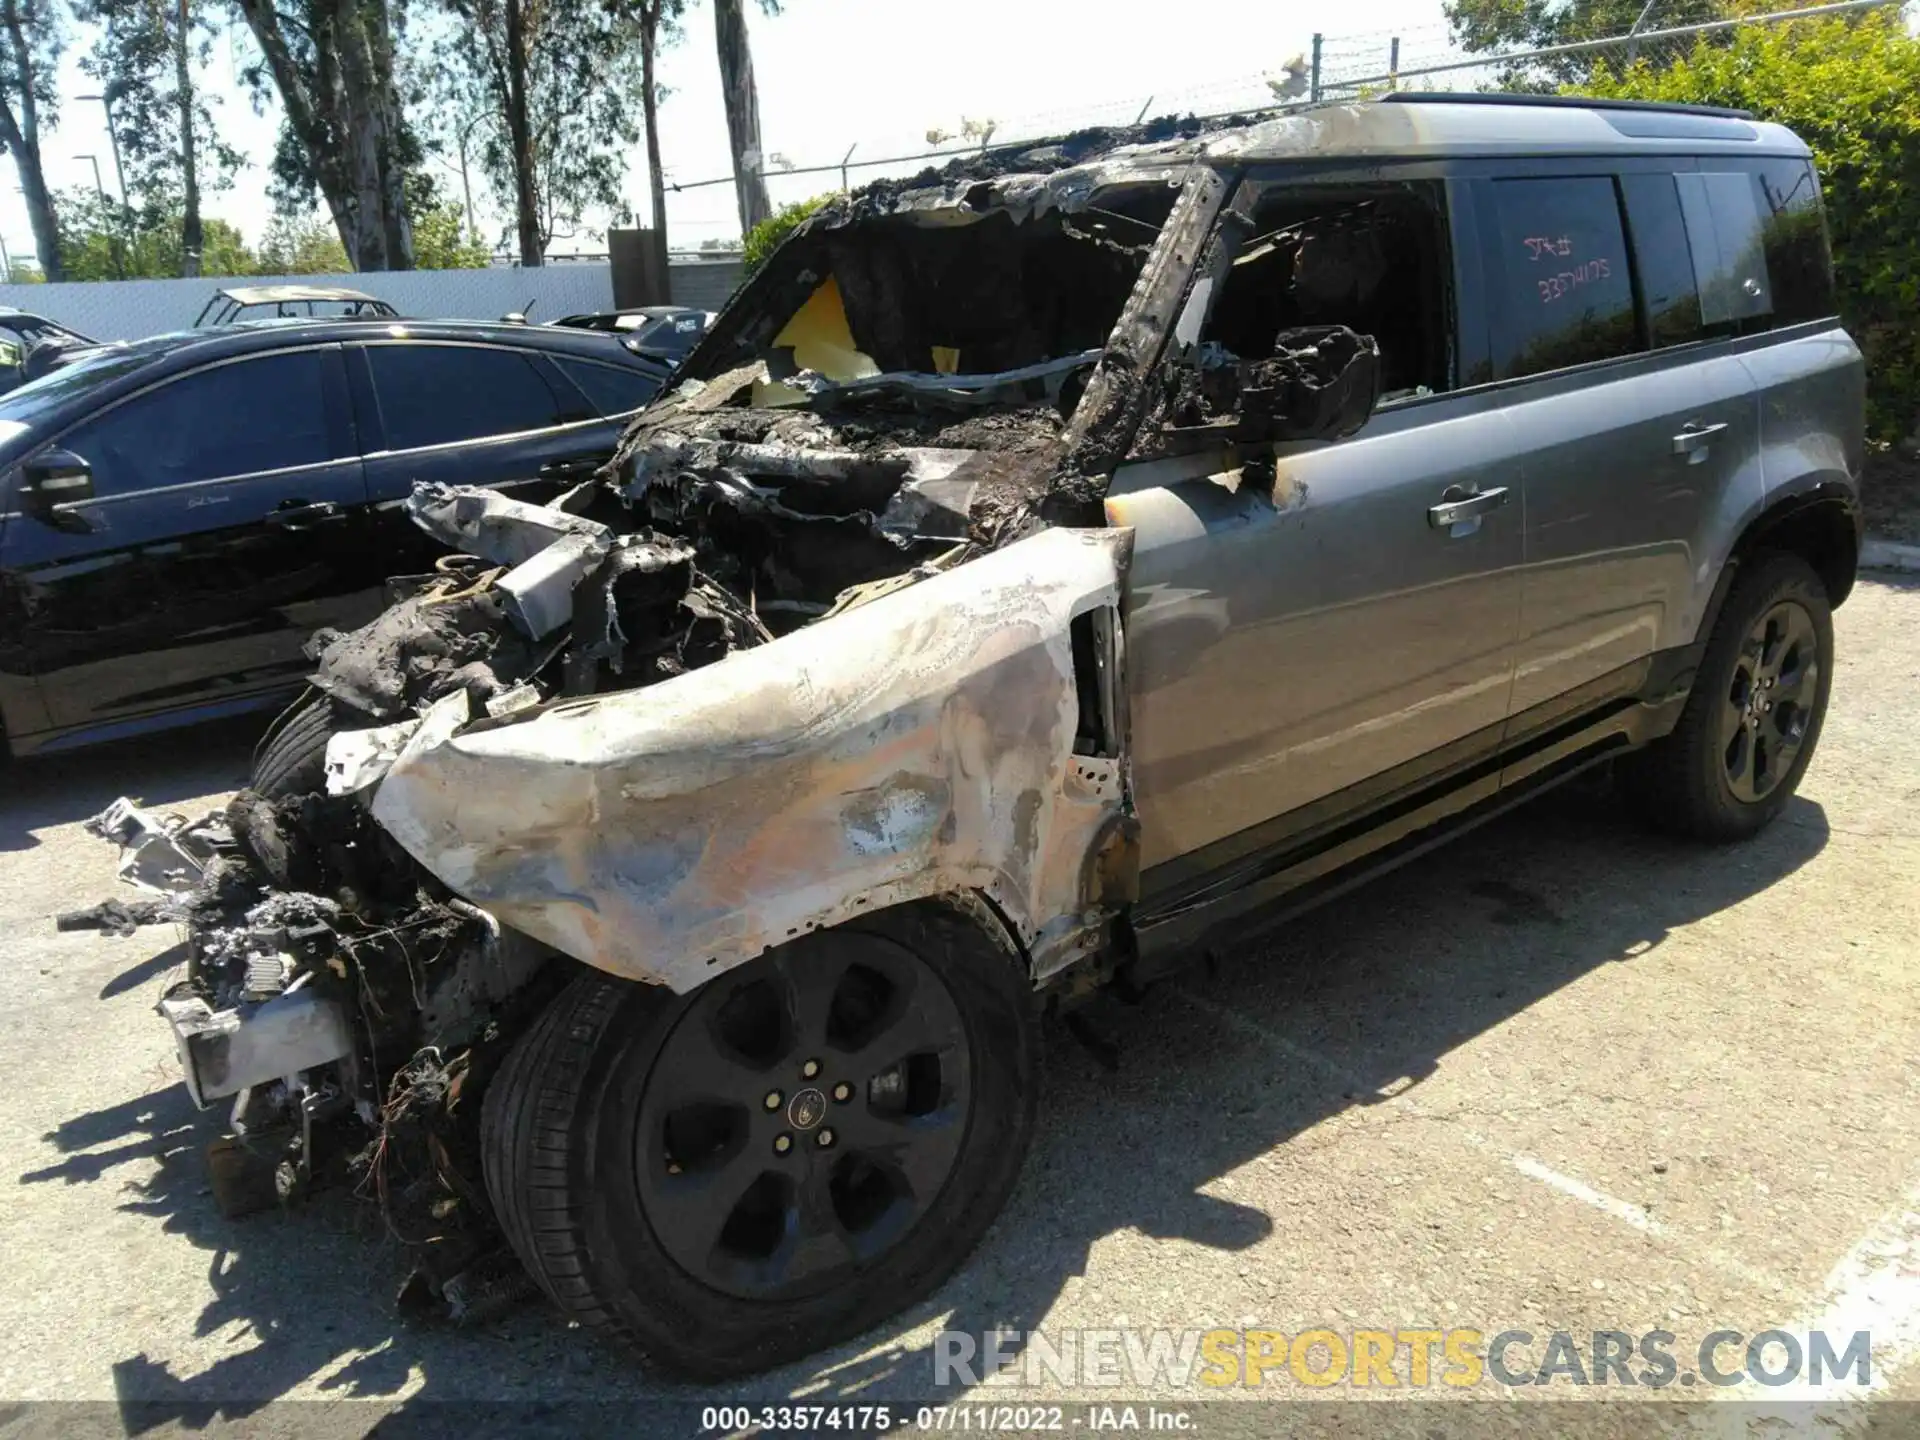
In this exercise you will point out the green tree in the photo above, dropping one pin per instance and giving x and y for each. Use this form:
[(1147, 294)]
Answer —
[(343, 133), (441, 242), (766, 237), (1499, 26), (29, 54), (146, 58), (556, 84), (295, 246), (1851, 89), (98, 239)]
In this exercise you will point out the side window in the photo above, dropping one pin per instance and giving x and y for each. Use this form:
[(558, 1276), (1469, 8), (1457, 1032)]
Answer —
[(1373, 258), (1661, 256), (613, 389), (1793, 236), (1568, 292), (1723, 233), (435, 394), (236, 419)]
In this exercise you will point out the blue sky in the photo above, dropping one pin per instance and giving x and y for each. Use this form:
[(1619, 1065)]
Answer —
[(873, 73)]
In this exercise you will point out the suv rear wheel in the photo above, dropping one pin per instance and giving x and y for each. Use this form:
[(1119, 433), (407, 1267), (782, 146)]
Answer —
[(807, 1144), (1753, 718)]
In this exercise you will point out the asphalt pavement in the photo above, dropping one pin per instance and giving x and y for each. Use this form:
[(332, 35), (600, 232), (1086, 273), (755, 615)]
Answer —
[(1558, 1077)]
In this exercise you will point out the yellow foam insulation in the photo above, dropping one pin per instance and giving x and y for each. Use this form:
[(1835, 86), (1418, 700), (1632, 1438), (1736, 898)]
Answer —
[(946, 360), (821, 338)]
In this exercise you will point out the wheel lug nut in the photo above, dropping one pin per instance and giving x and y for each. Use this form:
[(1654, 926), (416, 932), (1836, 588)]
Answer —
[(843, 1092), (672, 1169), (782, 1144), (772, 1102), (824, 1139), (810, 1069)]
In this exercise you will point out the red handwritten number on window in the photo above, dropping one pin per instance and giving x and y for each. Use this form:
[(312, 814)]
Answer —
[(1552, 287)]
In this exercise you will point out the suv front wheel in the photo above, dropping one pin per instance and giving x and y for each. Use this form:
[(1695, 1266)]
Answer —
[(798, 1149), (1753, 718)]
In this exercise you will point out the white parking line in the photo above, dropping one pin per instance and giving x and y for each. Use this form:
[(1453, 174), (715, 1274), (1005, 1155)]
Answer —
[(1875, 1288), (1634, 1215)]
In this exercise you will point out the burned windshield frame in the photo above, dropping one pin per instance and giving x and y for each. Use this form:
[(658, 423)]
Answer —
[(745, 332)]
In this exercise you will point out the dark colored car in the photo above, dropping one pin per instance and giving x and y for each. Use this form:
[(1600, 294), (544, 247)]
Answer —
[(31, 345), (668, 332), (179, 514)]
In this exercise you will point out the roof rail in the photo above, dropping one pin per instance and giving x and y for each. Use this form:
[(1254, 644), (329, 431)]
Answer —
[(1567, 102)]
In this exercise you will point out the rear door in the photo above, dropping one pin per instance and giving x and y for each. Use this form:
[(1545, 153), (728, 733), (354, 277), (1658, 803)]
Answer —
[(1633, 433), (462, 413), (228, 523)]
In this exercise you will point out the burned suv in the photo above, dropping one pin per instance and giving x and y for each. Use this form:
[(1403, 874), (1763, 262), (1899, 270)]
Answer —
[(1039, 563)]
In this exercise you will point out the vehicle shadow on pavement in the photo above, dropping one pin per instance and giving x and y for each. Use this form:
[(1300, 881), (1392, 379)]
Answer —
[(41, 792), (1217, 1068)]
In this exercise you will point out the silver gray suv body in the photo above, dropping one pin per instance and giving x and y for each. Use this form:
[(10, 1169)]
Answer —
[(1037, 565), (1631, 383)]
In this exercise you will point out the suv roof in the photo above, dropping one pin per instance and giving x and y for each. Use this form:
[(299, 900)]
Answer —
[(1411, 125)]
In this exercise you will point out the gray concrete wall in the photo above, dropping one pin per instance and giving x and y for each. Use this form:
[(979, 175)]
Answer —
[(129, 309)]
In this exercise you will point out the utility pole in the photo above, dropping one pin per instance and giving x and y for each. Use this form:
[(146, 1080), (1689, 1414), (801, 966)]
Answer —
[(113, 243), (191, 239)]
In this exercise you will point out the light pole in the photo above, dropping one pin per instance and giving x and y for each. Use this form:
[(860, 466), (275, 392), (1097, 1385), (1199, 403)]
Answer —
[(119, 175), (106, 203), (125, 227)]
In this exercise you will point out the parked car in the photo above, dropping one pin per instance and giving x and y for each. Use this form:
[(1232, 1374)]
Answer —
[(668, 332), (1035, 568), (290, 302), (177, 515), (31, 345)]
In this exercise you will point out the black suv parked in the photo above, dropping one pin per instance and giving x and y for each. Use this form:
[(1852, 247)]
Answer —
[(179, 514)]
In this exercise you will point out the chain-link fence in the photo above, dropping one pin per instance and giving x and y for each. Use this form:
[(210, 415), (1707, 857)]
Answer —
[(1330, 68), (1667, 31)]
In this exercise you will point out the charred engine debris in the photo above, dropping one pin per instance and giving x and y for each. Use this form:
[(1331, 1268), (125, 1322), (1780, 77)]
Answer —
[(917, 378)]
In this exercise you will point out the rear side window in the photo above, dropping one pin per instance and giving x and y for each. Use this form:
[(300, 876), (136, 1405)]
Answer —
[(437, 394), (1660, 253), (1568, 289), (1723, 234), (237, 419), (1793, 236), (613, 390)]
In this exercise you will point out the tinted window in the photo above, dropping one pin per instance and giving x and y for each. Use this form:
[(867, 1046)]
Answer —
[(433, 394), (1569, 293), (1661, 257), (1794, 237), (613, 391), (237, 419)]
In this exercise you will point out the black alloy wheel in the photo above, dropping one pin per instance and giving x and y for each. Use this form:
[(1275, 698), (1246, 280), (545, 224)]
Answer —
[(809, 1143), (1752, 715), (801, 1119)]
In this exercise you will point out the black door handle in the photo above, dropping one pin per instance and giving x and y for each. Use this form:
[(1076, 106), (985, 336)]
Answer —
[(574, 467), (298, 514)]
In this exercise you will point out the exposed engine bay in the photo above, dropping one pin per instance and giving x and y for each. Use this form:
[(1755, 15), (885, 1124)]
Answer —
[(874, 495)]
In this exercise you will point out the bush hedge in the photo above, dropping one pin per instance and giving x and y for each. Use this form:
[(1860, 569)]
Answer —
[(1851, 89)]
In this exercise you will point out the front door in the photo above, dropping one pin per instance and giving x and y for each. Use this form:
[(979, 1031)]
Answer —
[(227, 524), (1285, 645)]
